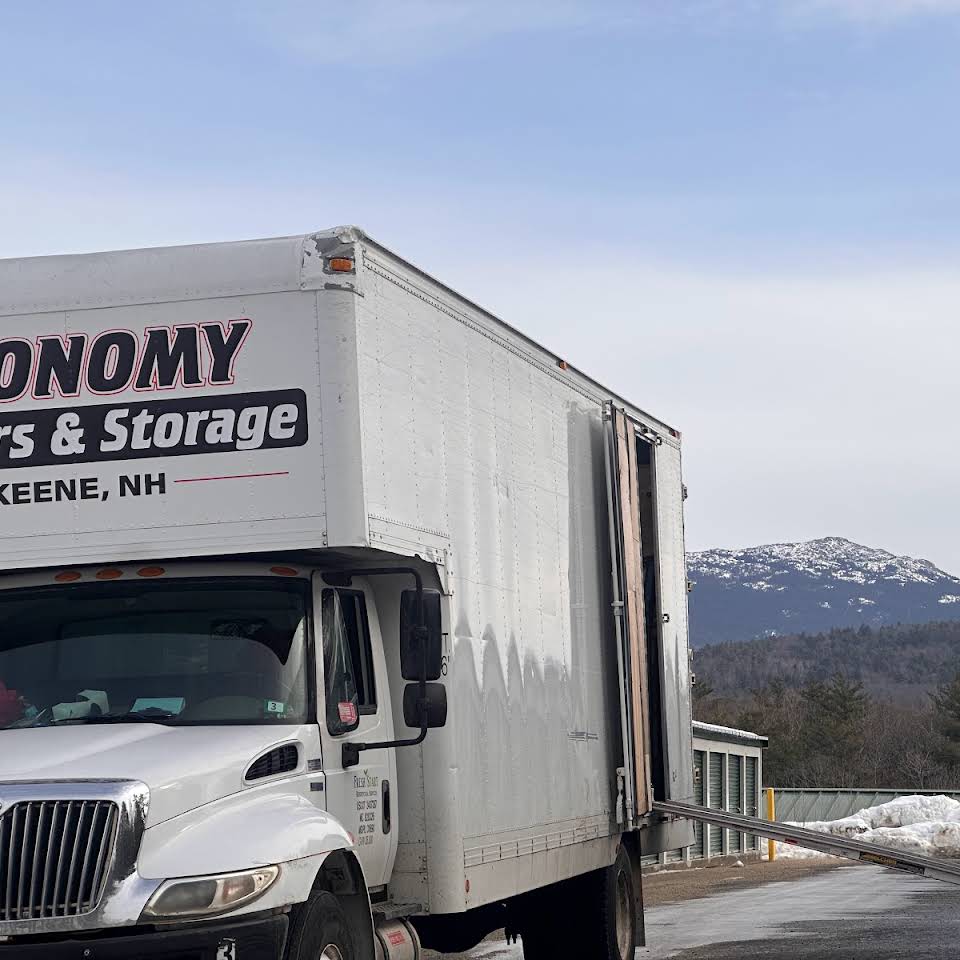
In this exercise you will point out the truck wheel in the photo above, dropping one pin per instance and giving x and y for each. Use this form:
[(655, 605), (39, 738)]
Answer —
[(592, 917), (320, 931), (618, 910)]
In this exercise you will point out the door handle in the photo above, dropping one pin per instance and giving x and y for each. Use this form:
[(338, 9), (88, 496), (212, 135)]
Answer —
[(385, 804)]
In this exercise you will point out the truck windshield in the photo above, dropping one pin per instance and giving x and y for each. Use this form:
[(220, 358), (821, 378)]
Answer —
[(178, 652)]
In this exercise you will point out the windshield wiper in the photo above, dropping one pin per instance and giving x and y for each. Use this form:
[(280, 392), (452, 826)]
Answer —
[(151, 715)]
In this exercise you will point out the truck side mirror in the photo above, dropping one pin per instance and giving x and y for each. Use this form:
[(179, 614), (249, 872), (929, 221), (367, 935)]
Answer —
[(434, 701), (421, 660), (414, 642)]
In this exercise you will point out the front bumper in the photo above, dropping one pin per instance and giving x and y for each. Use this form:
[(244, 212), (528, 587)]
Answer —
[(261, 939)]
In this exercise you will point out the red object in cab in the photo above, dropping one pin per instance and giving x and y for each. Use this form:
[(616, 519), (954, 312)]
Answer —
[(11, 706)]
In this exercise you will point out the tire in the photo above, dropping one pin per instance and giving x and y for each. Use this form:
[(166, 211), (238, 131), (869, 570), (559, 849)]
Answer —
[(320, 931), (618, 909), (593, 917)]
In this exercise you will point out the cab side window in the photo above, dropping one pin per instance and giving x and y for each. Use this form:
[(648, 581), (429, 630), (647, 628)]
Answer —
[(347, 660)]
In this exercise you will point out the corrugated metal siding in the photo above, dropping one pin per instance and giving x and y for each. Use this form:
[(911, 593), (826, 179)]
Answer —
[(715, 800), (727, 776), (699, 796), (734, 803), (805, 806), (751, 796)]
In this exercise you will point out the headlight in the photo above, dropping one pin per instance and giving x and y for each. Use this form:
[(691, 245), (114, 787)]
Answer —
[(204, 896)]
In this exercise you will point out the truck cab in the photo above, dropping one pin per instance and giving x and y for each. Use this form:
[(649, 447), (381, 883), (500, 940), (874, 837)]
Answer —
[(167, 724)]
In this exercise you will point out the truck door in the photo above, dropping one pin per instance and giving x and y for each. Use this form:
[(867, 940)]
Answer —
[(645, 497), (353, 703), (628, 600)]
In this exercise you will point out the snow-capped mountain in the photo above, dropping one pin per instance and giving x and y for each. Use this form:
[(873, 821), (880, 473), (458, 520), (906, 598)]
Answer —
[(810, 587)]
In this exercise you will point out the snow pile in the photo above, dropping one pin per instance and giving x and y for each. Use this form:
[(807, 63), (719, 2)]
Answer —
[(927, 825)]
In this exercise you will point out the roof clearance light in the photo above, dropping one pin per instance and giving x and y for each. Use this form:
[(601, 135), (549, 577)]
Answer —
[(67, 576), (340, 264), (284, 571), (151, 572), (110, 573)]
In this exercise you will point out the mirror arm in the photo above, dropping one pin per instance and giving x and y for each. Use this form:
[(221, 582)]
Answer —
[(350, 752)]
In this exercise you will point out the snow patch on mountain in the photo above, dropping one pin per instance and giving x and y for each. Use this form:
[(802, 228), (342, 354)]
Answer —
[(832, 557), (784, 588)]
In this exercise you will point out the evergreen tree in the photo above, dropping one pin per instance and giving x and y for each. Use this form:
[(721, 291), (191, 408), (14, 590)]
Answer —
[(774, 713), (946, 702), (835, 733)]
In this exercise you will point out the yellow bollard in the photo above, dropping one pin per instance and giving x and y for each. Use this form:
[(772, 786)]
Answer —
[(771, 815)]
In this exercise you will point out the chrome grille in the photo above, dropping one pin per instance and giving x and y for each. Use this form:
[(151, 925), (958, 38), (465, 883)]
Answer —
[(54, 856)]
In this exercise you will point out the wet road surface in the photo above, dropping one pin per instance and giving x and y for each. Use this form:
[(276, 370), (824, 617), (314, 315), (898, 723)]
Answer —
[(844, 913)]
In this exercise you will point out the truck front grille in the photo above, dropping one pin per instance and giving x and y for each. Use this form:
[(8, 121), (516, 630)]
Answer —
[(54, 856)]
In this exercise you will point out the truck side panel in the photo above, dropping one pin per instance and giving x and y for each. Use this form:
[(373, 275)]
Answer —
[(472, 450)]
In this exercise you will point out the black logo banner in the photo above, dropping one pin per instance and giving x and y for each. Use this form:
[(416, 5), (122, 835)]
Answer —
[(225, 423)]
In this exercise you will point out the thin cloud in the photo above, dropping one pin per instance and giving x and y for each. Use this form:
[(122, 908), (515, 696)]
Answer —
[(877, 11), (387, 33), (395, 32)]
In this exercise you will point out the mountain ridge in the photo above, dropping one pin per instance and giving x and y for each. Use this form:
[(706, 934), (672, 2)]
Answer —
[(812, 586)]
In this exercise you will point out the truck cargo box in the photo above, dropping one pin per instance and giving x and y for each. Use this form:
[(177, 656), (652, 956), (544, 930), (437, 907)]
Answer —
[(318, 393)]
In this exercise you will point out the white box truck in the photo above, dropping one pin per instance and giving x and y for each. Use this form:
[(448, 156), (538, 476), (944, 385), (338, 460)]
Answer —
[(337, 618)]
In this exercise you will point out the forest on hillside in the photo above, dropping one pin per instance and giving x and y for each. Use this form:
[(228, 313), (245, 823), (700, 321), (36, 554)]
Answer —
[(902, 663), (863, 707)]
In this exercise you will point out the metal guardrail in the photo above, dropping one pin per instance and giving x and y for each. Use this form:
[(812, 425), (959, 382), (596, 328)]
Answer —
[(809, 805), (852, 849)]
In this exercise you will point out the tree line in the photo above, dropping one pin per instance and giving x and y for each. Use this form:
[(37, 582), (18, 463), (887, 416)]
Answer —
[(901, 662), (834, 733)]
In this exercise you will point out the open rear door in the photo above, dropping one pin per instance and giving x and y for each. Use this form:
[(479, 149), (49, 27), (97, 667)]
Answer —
[(627, 564)]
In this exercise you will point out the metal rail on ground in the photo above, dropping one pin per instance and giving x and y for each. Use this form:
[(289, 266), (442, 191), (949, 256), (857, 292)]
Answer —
[(824, 842)]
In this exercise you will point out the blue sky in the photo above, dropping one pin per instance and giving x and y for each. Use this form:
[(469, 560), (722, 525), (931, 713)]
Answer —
[(744, 215)]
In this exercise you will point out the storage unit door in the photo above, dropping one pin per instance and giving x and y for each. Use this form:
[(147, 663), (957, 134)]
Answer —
[(715, 800), (699, 796), (734, 801), (751, 794)]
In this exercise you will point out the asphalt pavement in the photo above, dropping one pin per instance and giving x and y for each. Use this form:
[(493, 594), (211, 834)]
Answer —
[(843, 913), (847, 913)]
